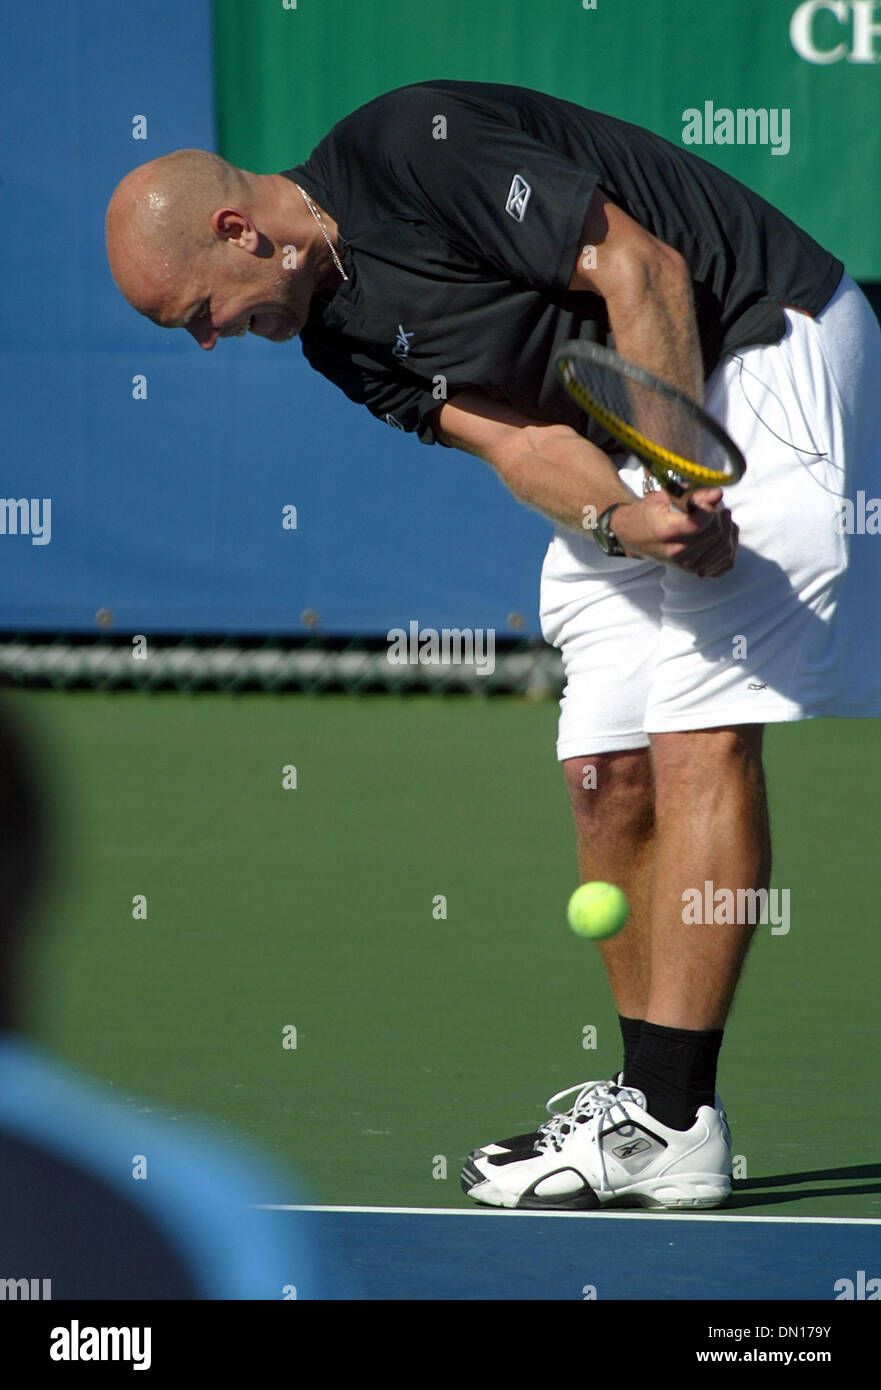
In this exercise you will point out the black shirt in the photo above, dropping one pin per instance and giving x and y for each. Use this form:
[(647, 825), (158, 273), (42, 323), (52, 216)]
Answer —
[(461, 205)]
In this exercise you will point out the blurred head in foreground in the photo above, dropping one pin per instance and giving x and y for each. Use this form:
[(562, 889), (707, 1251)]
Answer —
[(99, 1198)]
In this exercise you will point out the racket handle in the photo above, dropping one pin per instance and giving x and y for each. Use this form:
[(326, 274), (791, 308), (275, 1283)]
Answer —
[(681, 499), (684, 501)]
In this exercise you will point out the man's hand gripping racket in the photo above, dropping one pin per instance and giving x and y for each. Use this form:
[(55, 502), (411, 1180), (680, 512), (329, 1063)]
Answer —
[(689, 454)]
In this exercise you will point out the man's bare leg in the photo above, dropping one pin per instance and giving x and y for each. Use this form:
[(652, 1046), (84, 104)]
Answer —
[(612, 799), (712, 824), (657, 823)]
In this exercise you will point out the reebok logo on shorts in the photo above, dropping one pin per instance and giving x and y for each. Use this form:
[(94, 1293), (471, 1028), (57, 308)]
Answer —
[(518, 196)]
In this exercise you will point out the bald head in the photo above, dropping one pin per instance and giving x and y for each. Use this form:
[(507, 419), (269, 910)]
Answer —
[(159, 218), (195, 242)]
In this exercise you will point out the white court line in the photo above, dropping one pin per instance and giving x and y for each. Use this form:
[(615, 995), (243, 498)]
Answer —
[(586, 1215)]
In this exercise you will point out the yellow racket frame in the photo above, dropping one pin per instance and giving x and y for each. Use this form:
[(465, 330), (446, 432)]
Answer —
[(660, 460)]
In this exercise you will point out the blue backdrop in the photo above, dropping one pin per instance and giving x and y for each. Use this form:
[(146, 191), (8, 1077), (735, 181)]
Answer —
[(167, 511)]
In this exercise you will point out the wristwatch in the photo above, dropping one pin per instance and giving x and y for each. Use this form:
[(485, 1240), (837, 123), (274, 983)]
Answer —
[(606, 539)]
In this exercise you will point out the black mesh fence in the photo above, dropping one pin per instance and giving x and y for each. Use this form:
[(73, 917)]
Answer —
[(526, 666)]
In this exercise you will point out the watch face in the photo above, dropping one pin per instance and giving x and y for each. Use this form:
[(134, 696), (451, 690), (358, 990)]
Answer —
[(606, 538), (603, 539)]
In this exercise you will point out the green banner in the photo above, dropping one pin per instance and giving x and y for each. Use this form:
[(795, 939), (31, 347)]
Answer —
[(783, 94)]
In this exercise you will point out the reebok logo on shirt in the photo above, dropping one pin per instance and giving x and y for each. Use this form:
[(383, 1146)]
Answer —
[(402, 345), (518, 197)]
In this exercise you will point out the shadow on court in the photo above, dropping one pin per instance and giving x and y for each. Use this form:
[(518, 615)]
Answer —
[(870, 1172)]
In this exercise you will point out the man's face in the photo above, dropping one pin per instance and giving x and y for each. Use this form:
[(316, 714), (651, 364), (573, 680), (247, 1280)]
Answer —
[(231, 293)]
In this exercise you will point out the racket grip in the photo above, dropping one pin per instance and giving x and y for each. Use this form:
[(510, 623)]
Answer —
[(681, 499)]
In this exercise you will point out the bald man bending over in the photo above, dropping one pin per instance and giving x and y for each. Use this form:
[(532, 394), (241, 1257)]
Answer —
[(430, 253), (174, 227)]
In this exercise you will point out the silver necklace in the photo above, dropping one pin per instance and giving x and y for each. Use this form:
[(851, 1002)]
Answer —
[(321, 227)]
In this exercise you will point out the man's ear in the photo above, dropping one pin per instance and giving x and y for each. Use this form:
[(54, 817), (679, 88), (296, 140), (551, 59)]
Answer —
[(231, 225)]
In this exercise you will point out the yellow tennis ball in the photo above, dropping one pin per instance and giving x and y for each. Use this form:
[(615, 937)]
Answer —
[(597, 910)]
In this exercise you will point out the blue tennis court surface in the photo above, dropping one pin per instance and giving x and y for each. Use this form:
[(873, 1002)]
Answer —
[(421, 1253)]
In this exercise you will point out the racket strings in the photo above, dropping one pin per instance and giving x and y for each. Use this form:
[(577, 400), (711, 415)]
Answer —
[(658, 428)]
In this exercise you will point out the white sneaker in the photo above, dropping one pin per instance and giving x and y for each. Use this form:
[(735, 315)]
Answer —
[(525, 1143), (606, 1149)]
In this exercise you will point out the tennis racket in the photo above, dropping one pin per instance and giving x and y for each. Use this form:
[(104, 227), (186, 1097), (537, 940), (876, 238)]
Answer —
[(680, 444)]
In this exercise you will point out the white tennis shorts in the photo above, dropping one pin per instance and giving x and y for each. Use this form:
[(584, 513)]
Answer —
[(794, 630)]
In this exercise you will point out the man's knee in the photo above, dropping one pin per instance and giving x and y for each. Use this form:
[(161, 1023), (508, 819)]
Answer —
[(704, 755), (615, 789)]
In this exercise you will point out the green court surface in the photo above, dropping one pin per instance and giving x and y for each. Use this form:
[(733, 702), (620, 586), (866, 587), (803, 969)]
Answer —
[(418, 1038)]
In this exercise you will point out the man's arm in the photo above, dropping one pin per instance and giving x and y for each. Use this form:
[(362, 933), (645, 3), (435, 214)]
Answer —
[(553, 469), (648, 294), (547, 466), (649, 298)]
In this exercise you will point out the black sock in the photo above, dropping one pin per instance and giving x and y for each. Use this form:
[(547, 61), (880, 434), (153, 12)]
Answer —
[(630, 1031), (676, 1069)]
